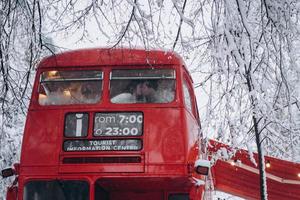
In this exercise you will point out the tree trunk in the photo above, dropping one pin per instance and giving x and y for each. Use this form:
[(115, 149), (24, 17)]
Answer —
[(261, 164)]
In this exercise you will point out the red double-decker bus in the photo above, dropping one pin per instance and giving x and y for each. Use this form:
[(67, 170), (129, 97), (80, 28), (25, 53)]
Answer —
[(110, 124)]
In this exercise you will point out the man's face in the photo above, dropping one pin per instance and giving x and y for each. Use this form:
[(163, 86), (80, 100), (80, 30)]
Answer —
[(146, 90)]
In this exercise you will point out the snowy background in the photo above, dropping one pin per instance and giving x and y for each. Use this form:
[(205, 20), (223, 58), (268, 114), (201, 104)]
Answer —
[(243, 55)]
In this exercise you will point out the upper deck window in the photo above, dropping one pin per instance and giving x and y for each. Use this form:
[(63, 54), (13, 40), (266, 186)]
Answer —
[(142, 86), (70, 87)]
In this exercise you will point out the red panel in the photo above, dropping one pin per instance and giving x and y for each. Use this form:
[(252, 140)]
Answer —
[(42, 138), (91, 57), (167, 169), (236, 181), (38, 170), (163, 137), (245, 183), (101, 168)]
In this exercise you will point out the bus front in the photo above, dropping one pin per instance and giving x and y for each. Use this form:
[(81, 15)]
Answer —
[(107, 131)]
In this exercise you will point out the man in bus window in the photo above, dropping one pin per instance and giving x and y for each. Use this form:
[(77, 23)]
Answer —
[(138, 91), (146, 92)]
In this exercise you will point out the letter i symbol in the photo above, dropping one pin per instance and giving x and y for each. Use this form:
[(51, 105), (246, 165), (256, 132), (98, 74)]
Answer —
[(78, 125)]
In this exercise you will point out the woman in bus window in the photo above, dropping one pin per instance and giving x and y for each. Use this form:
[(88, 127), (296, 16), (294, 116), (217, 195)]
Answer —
[(128, 95)]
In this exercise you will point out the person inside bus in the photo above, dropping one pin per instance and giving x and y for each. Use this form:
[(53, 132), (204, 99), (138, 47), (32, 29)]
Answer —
[(165, 91), (139, 91), (85, 92), (55, 93), (91, 92), (128, 95), (146, 92)]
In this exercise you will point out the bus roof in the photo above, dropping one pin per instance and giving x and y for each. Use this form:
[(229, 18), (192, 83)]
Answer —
[(109, 57)]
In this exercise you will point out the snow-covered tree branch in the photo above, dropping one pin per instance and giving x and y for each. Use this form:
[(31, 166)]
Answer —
[(246, 53)]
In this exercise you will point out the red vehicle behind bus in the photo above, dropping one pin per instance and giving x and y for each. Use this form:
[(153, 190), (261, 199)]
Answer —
[(110, 124)]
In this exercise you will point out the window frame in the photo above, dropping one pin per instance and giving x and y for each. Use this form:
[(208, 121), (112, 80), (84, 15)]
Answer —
[(83, 80), (174, 78)]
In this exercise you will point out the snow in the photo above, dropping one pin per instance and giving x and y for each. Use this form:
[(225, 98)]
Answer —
[(202, 163), (220, 41), (198, 182)]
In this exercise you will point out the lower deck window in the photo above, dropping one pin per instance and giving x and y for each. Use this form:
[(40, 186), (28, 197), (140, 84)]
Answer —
[(56, 189), (178, 197)]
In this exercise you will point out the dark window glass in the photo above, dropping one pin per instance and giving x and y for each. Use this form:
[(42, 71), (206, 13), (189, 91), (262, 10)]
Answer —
[(76, 124), (70, 87), (101, 193), (178, 197), (142, 86), (56, 189)]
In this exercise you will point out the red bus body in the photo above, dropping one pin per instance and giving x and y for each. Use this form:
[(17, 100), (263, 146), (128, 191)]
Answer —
[(162, 169)]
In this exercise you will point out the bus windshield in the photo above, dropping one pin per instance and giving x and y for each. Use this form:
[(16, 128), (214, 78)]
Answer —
[(70, 87), (56, 189), (142, 86)]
